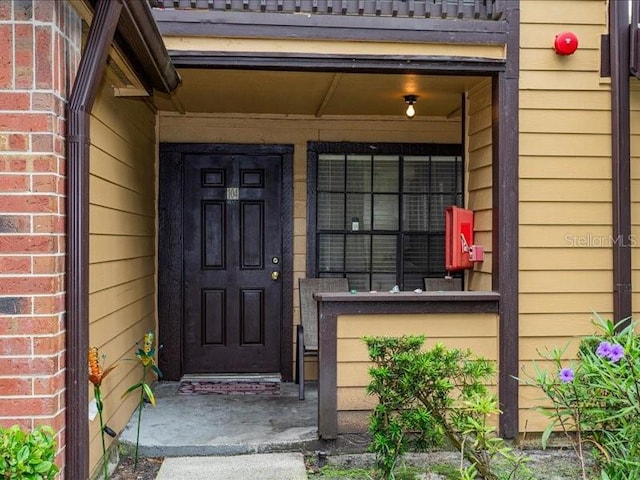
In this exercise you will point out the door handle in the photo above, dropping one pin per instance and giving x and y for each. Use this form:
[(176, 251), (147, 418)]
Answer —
[(275, 275)]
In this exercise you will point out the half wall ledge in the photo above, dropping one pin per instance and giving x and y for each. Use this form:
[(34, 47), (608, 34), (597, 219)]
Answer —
[(332, 305)]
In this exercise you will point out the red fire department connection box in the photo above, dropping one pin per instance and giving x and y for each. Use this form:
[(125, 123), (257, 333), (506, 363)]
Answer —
[(460, 252)]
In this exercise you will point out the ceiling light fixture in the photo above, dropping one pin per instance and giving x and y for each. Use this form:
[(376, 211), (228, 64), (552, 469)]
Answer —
[(410, 100)]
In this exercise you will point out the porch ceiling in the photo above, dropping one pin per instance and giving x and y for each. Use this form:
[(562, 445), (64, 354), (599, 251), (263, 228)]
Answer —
[(316, 93)]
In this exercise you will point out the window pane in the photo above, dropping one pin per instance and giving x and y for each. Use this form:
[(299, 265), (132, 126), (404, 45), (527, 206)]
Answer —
[(331, 275), (383, 282), (459, 175), (331, 173), (358, 207), (385, 212), (415, 254), (358, 255), (330, 211), (359, 282), (412, 281), (384, 253), (438, 205), (415, 213), (416, 174), (386, 173), (436, 254), (331, 253), (358, 173), (443, 174)]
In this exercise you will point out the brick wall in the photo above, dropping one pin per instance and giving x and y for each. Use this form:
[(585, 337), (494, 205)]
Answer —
[(39, 53)]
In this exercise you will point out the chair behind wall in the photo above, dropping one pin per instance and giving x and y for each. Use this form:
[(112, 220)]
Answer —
[(307, 332)]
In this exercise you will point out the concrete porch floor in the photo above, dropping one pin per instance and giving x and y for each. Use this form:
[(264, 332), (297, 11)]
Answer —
[(196, 425)]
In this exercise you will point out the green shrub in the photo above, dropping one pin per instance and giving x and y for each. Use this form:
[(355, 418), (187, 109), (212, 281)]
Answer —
[(27, 456), (428, 397), (596, 399)]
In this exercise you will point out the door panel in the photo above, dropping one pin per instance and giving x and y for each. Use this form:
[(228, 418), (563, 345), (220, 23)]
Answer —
[(231, 225)]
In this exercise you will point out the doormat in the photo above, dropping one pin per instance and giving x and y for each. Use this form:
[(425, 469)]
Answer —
[(228, 388)]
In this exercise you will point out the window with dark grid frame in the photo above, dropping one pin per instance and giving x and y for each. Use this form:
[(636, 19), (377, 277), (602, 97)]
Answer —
[(380, 216)]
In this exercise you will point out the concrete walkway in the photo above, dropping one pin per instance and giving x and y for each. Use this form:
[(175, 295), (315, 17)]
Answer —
[(217, 425), (270, 466)]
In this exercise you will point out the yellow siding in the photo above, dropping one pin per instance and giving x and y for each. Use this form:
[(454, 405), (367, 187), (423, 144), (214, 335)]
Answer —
[(329, 47), (479, 178), (297, 132), (122, 246), (479, 332), (565, 183)]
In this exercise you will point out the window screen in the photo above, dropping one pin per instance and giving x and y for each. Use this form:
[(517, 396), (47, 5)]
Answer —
[(380, 216)]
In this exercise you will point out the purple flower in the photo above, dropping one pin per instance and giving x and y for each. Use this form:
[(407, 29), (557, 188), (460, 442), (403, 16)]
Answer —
[(616, 353), (603, 350), (566, 375), (612, 351)]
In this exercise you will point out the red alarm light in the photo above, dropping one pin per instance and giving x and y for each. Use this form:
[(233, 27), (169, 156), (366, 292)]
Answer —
[(566, 43)]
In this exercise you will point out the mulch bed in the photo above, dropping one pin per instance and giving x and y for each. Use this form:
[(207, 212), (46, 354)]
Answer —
[(147, 469), (229, 388)]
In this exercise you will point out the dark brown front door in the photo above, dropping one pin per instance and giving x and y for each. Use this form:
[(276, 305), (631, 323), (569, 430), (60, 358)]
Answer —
[(232, 236)]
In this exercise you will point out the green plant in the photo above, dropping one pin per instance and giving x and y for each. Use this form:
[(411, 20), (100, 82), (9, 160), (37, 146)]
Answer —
[(595, 400), (345, 473), (96, 375), (427, 397), (27, 455), (146, 357)]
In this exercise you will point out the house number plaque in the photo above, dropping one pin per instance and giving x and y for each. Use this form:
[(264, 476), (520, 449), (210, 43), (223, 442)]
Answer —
[(233, 193)]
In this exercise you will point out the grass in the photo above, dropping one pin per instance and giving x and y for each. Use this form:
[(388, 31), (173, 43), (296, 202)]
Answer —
[(354, 473), (552, 464)]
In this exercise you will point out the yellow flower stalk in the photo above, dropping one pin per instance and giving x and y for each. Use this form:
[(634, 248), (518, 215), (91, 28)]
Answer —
[(145, 355), (148, 342)]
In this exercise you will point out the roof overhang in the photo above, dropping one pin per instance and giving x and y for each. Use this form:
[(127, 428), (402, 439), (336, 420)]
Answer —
[(138, 37)]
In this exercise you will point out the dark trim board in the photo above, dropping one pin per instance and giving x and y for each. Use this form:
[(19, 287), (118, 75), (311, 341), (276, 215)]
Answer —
[(83, 96), (474, 10), (230, 24), (620, 154), (170, 248), (337, 63), (170, 262), (505, 98)]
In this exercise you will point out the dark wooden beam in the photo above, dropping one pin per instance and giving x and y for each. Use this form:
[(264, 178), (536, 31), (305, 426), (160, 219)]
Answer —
[(170, 262), (485, 9), (286, 220), (337, 63), (232, 24), (505, 101), (619, 48)]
